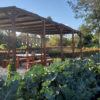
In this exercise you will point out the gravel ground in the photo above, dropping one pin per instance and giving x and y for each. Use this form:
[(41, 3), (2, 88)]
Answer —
[(21, 70)]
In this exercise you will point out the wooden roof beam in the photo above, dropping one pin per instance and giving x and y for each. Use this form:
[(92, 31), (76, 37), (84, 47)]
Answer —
[(7, 20)]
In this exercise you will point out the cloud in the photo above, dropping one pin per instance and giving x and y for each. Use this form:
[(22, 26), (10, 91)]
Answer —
[(66, 24)]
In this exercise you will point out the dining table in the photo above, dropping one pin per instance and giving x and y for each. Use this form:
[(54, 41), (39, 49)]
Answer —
[(27, 58)]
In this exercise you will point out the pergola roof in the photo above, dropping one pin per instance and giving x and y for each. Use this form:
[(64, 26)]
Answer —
[(28, 22)]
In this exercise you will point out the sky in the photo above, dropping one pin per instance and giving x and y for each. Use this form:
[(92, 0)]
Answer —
[(59, 10)]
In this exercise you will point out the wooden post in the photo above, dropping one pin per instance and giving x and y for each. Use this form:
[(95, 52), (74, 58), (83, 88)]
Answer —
[(27, 63), (13, 37), (35, 39), (41, 50), (44, 43), (8, 32), (12, 16), (61, 43), (81, 45), (27, 39), (73, 45)]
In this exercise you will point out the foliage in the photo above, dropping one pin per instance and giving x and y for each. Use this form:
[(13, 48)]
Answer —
[(74, 79), (9, 92), (3, 56), (3, 37), (96, 58), (68, 41), (89, 39), (86, 8), (1, 83), (49, 18), (11, 69), (3, 46), (98, 99), (85, 29), (89, 11), (54, 41), (57, 60), (23, 47)]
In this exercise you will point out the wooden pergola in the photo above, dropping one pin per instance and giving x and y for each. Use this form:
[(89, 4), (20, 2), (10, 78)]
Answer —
[(15, 19)]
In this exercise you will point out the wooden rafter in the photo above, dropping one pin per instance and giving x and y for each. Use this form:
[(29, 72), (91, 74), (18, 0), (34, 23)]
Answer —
[(29, 20)]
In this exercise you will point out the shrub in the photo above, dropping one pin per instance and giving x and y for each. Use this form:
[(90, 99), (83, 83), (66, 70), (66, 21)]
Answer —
[(3, 46), (74, 79), (11, 69), (1, 83)]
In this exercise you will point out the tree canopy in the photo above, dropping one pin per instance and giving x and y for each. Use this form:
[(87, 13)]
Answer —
[(89, 10)]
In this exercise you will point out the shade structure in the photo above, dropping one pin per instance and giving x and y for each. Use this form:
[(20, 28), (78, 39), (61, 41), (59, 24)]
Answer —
[(28, 22), (19, 20)]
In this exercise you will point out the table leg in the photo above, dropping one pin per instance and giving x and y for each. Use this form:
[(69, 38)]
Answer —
[(17, 62), (27, 63)]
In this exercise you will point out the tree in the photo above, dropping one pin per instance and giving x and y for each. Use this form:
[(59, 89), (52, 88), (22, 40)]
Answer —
[(87, 41), (3, 37), (85, 29), (90, 11), (49, 18), (54, 41)]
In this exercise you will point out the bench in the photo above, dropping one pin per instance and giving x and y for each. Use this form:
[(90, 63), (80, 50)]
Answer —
[(48, 62), (5, 62)]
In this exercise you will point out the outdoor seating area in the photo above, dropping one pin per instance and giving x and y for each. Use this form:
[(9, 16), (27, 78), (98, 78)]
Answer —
[(50, 50), (13, 19), (29, 59)]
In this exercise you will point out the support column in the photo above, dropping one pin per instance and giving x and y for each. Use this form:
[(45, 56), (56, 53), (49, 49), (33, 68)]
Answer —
[(8, 32), (41, 50), (73, 45), (61, 44), (27, 39), (12, 16), (81, 45), (44, 42), (13, 38), (35, 38)]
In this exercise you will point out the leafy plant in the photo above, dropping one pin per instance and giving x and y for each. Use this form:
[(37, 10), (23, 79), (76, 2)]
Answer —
[(9, 92), (11, 69), (74, 79)]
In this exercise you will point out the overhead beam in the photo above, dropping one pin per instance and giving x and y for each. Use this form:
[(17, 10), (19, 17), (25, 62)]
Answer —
[(22, 22), (19, 19), (30, 27)]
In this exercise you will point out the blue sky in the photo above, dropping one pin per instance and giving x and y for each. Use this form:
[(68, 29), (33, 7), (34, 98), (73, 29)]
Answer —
[(59, 10)]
